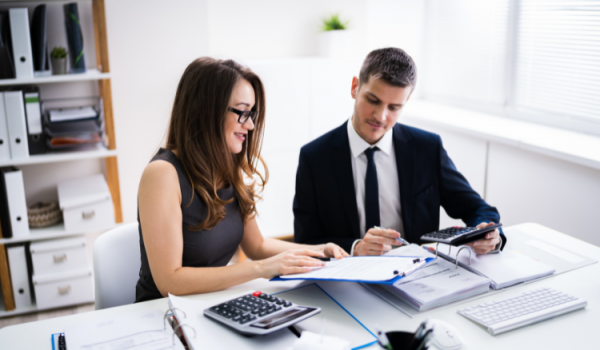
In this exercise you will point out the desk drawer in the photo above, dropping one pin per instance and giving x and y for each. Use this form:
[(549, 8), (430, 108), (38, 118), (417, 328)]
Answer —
[(69, 288), (90, 217), (59, 255)]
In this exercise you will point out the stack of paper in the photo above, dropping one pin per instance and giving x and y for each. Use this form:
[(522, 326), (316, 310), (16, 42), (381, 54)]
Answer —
[(436, 284), (503, 269)]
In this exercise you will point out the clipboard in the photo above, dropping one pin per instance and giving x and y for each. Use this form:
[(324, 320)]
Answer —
[(382, 269)]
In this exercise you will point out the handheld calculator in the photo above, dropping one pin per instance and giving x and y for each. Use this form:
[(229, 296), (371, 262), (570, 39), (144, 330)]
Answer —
[(457, 235), (259, 313)]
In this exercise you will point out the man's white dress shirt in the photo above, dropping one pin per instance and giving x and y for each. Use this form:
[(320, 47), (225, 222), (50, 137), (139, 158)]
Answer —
[(390, 210)]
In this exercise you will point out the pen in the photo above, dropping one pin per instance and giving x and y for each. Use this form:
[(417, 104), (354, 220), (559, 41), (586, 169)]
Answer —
[(382, 339), (399, 239), (418, 262)]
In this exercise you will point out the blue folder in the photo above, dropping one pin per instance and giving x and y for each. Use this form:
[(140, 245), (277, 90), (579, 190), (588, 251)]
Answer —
[(390, 281)]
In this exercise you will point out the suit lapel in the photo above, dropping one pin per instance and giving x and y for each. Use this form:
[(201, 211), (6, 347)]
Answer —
[(341, 160), (405, 162)]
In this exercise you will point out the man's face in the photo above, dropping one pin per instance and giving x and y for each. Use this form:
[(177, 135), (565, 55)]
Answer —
[(377, 107)]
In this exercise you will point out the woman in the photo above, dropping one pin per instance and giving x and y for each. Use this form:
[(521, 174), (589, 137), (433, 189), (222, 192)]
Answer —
[(196, 203)]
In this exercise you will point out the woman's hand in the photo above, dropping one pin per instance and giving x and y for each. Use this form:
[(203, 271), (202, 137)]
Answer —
[(332, 250), (291, 261)]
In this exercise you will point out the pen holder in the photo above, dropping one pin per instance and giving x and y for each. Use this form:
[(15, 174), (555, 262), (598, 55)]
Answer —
[(401, 340)]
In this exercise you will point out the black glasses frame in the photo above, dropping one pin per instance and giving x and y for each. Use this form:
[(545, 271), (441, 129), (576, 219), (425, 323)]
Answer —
[(243, 116)]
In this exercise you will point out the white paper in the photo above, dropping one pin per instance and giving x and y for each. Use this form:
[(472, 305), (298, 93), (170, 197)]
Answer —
[(559, 253), (59, 115), (504, 269), (363, 268), (143, 330)]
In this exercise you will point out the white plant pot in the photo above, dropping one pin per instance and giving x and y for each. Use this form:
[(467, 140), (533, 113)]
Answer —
[(334, 43)]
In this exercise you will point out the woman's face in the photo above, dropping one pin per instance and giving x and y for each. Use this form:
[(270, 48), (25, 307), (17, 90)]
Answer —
[(242, 98)]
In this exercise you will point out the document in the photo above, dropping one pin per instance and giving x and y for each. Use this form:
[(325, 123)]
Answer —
[(143, 330), (504, 269), (436, 284), (366, 269)]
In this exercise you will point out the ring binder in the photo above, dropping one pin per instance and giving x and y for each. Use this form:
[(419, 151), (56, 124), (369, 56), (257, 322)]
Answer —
[(171, 314), (437, 248), (180, 326)]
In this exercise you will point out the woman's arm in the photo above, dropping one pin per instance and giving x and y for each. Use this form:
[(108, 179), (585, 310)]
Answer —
[(159, 200), (256, 247)]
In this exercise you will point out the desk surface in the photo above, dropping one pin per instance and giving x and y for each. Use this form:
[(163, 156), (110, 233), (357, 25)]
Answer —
[(577, 330)]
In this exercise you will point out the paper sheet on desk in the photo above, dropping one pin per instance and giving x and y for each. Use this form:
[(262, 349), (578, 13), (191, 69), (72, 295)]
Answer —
[(337, 321), (213, 335), (438, 283), (142, 330), (504, 269), (359, 269)]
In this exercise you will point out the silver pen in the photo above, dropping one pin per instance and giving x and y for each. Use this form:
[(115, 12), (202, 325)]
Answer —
[(399, 239)]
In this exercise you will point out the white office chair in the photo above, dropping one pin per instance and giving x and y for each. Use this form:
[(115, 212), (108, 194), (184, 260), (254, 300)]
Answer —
[(117, 266)]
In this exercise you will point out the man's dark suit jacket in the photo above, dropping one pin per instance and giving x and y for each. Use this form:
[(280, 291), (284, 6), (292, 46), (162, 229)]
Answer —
[(325, 202)]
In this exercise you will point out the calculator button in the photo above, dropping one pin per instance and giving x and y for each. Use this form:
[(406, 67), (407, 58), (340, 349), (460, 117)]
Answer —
[(257, 293), (277, 308), (236, 318), (245, 320), (262, 313), (287, 303)]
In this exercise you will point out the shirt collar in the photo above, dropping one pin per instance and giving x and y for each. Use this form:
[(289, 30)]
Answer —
[(358, 145)]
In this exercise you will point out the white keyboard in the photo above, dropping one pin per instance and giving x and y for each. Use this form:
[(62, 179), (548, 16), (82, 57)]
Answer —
[(533, 306)]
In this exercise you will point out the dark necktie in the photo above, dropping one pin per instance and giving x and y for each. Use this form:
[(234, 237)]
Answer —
[(371, 191)]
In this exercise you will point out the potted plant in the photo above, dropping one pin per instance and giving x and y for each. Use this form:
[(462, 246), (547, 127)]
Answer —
[(58, 56), (334, 40)]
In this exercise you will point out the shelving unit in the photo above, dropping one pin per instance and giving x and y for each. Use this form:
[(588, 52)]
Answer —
[(100, 74), (91, 74)]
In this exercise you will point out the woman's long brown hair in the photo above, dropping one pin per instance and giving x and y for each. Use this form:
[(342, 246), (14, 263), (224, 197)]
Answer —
[(197, 135)]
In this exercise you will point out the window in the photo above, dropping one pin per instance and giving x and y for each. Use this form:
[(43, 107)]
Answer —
[(531, 59)]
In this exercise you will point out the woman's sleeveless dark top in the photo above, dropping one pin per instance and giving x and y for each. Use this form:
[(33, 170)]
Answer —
[(205, 248)]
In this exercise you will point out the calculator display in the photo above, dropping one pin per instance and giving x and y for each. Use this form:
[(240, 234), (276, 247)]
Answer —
[(282, 318)]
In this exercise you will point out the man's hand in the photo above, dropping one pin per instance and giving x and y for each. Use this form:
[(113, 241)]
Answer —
[(487, 244), (377, 241)]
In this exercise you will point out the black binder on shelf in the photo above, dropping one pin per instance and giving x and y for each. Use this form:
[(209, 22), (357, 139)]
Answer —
[(7, 68), (36, 139), (4, 214), (39, 43), (74, 38)]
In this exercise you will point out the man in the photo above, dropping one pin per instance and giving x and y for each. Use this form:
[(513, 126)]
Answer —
[(371, 180)]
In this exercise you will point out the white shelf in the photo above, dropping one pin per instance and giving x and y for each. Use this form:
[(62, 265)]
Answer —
[(99, 152), (91, 74), (18, 311), (55, 231)]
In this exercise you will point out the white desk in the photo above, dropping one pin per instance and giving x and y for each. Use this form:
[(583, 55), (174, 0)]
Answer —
[(577, 330)]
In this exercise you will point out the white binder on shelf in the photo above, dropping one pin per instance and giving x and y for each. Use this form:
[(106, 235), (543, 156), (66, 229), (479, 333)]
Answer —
[(19, 276), (4, 140), (17, 130), (21, 42), (15, 195)]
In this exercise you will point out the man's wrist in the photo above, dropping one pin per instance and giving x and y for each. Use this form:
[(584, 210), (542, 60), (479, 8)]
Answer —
[(354, 245)]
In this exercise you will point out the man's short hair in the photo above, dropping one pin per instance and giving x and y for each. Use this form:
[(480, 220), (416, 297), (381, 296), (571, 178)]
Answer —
[(391, 64)]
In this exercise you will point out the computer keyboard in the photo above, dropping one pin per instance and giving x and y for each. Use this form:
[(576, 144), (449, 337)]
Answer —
[(533, 306), (259, 313)]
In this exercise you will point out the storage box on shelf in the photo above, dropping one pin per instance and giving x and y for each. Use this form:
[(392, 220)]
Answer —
[(61, 274)]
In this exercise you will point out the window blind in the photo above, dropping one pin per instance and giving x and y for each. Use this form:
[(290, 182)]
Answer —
[(557, 59), (466, 51)]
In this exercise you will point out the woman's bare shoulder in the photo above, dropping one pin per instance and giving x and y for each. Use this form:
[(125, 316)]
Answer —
[(159, 176)]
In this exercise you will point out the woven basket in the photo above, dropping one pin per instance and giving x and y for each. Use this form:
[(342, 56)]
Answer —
[(43, 214)]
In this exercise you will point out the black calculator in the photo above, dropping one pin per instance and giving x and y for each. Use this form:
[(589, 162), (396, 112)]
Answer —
[(259, 313), (457, 235)]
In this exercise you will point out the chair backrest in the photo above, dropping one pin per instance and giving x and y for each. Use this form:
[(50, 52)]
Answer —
[(117, 265)]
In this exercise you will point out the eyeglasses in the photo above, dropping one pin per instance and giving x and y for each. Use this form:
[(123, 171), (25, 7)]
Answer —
[(244, 115)]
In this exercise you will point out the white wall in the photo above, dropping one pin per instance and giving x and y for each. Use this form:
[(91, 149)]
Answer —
[(151, 43)]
